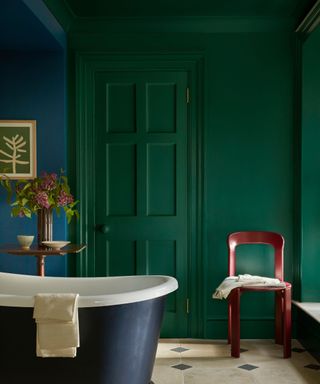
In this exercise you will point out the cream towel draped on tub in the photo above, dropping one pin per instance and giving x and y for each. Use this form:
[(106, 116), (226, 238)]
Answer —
[(231, 282), (56, 316)]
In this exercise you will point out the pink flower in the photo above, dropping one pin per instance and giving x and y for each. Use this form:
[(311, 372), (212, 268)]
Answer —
[(48, 182), (64, 199), (41, 199)]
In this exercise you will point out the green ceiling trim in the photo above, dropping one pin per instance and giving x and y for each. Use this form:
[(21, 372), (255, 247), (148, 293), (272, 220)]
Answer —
[(167, 8), (71, 22), (310, 22), (205, 24)]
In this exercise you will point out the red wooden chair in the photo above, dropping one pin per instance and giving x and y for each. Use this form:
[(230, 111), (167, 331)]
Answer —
[(282, 295)]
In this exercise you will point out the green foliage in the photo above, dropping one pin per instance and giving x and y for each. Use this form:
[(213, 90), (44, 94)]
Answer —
[(49, 191)]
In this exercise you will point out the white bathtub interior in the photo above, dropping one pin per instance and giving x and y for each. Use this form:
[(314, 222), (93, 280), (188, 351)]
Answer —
[(19, 290)]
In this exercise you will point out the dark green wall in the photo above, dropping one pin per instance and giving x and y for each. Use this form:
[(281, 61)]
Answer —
[(248, 162), (310, 169), (247, 152)]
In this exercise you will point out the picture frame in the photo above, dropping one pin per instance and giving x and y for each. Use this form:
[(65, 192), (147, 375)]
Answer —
[(18, 152)]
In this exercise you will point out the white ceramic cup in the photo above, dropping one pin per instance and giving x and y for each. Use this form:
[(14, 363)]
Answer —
[(25, 241)]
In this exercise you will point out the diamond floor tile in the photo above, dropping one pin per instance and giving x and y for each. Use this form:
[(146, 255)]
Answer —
[(179, 349), (209, 361), (182, 367), (248, 367)]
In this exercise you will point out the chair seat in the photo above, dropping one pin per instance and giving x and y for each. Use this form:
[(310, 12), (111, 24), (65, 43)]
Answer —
[(262, 288)]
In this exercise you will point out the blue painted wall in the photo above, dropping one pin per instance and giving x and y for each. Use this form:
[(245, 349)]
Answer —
[(27, 25), (33, 87)]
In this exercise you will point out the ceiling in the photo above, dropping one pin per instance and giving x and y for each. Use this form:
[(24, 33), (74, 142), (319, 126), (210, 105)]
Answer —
[(218, 8), (21, 30)]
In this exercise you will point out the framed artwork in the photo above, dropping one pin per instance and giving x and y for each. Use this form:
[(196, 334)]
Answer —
[(18, 152)]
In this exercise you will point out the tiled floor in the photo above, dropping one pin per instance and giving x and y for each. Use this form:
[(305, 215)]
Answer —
[(209, 362)]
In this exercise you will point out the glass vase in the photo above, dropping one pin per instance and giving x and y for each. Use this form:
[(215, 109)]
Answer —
[(44, 225)]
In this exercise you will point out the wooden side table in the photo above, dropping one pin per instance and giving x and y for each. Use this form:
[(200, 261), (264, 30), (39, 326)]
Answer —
[(41, 253)]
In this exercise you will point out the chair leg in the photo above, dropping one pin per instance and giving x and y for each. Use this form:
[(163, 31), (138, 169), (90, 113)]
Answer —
[(235, 322), (287, 323), (279, 317), (229, 321)]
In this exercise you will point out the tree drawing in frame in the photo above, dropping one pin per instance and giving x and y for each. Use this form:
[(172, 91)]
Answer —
[(18, 149)]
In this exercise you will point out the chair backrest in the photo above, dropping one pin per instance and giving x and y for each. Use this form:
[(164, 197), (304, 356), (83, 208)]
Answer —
[(256, 237)]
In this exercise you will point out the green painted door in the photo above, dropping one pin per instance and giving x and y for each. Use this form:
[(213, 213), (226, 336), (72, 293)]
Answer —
[(141, 220)]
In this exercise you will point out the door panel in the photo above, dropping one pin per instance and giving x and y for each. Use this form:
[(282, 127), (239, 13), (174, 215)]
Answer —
[(141, 181), (121, 159), (161, 179), (120, 120), (161, 98), (128, 251)]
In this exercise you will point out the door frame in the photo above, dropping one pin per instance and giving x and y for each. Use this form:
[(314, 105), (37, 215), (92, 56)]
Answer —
[(81, 138)]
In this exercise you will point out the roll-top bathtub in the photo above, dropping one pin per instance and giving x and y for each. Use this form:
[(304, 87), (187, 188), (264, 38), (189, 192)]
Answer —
[(19, 290), (119, 320)]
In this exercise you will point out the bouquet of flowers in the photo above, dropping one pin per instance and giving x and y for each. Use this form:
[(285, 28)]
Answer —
[(49, 191)]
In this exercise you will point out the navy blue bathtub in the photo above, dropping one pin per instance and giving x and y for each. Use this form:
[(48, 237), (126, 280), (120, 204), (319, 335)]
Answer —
[(119, 329)]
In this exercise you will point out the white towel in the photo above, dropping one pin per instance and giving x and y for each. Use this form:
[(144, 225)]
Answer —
[(231, 282), (56, 316)]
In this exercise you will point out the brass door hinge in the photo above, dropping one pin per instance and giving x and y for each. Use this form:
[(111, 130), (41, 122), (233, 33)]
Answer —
[(188, 95)]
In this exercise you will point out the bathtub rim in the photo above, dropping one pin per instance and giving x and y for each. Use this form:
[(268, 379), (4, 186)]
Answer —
[(168, 284)]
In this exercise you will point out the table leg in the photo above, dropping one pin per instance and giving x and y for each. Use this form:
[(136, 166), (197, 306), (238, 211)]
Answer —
[(40, 264)]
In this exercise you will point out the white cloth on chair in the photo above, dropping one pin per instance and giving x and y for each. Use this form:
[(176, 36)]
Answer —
[(56, 316), (231, 282)]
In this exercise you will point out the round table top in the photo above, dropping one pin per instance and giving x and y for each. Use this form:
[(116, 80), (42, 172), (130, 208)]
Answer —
[(35, 250)]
